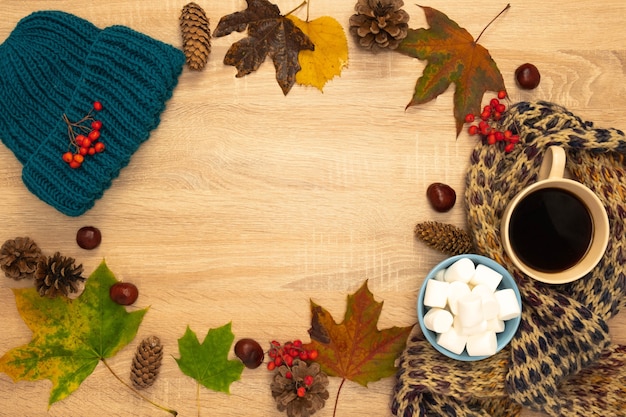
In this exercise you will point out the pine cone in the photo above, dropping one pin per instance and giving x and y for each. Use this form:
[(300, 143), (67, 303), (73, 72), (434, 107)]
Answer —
[(58, 274), (194, 26), (446, 238), (19, 258), (146, 363), (379, 24), (285, 390)]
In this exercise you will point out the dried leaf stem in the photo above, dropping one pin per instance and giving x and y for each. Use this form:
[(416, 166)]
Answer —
[(492, 20), (172, 412), (301, 4)]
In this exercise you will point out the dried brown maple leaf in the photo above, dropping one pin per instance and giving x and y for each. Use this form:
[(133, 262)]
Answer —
[(269, 33), (453, 57), (355, 349)]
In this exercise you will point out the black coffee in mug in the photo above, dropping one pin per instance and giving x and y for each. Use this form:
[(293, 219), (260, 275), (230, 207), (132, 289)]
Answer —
[(550, 230)]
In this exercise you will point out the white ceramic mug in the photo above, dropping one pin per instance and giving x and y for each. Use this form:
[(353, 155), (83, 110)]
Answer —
[(555, 230)]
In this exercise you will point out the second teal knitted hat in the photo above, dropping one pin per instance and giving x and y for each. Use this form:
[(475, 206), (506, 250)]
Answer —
[(55, 65)]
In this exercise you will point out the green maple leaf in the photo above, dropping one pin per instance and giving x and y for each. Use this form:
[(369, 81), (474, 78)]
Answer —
[(355, 349), (453, 57), (70, 337), (269, 33), (208, 362)]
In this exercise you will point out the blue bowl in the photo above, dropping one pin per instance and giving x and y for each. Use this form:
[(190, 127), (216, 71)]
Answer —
[(510, 326)]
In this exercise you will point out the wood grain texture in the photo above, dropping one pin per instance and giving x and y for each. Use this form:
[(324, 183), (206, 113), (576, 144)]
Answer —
[(246, 204)]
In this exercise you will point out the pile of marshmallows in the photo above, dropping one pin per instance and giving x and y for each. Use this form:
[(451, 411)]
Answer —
[(466, 308)]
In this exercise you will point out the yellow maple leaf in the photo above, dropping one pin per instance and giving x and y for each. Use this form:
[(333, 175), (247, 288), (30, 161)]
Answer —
[(330, 55)]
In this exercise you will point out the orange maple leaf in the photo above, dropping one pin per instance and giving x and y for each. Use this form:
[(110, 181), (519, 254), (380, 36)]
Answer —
[(453, 57), (355, 349)]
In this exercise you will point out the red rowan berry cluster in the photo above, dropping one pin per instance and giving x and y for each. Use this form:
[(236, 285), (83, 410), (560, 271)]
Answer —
[(488, 127), (287, 353), (84, 138)]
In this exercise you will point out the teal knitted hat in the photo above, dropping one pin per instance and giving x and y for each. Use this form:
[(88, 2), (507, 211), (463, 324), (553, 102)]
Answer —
[(55, 65)]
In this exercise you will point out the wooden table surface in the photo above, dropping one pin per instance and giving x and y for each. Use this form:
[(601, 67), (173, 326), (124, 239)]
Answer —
[(244, 205)]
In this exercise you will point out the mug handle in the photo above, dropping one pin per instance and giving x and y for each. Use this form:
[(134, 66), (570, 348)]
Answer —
[(553, 164)]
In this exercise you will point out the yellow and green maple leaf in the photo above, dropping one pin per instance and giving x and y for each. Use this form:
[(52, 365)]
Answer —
[(70, 337)]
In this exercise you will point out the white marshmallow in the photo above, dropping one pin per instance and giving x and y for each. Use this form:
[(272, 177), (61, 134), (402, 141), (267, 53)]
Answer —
[(491, 308), (436, 293), (461, 270), (439, 275), (456, 291), (438, 320), (470, 331), (470, 310), (482, 344), (495, 325), (452, 341), (486, 276), (507, 301)]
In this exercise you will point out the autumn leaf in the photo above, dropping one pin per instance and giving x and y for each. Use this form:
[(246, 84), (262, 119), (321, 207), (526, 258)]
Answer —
[(330, 55), (453, 57), (208, 362), (70, 337), (269, 33), (355, 349)]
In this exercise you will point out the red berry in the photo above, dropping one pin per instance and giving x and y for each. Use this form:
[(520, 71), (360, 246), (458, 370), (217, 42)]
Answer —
[(271, 366), (301, 392), (469, 118), (303, 355), (472, 130), (97, 106), (288, 375), (92, 151), (68, 157), (308, 380), (500, 108), (94, 135), (494, 102), (297, 343), (313, 354), (75, 164), (288, 360), (99, 147), (96, 125), (80, 139), (78, 158), (124, 293), (509, 147), (83, 151), (278, 361), (501, 94)]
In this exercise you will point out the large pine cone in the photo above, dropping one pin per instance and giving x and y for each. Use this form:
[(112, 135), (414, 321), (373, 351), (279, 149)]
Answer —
[(19, 258), (309, 379), (194, 26), (58, 275), (379, 24), (146, 363)]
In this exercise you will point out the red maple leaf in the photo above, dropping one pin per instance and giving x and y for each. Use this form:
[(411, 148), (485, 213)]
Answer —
[(355, 349), (453, 57)]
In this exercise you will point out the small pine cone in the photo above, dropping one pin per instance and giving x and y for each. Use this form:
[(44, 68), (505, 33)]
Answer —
[(19, 258), (57, 275), (444, 237), (285, 387), (146, 363), (194, 26), (379, 24)]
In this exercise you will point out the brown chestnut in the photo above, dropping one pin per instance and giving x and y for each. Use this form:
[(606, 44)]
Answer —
[(441, 196), (249, 352), (527, 76), (124, 293), (88, 237)]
